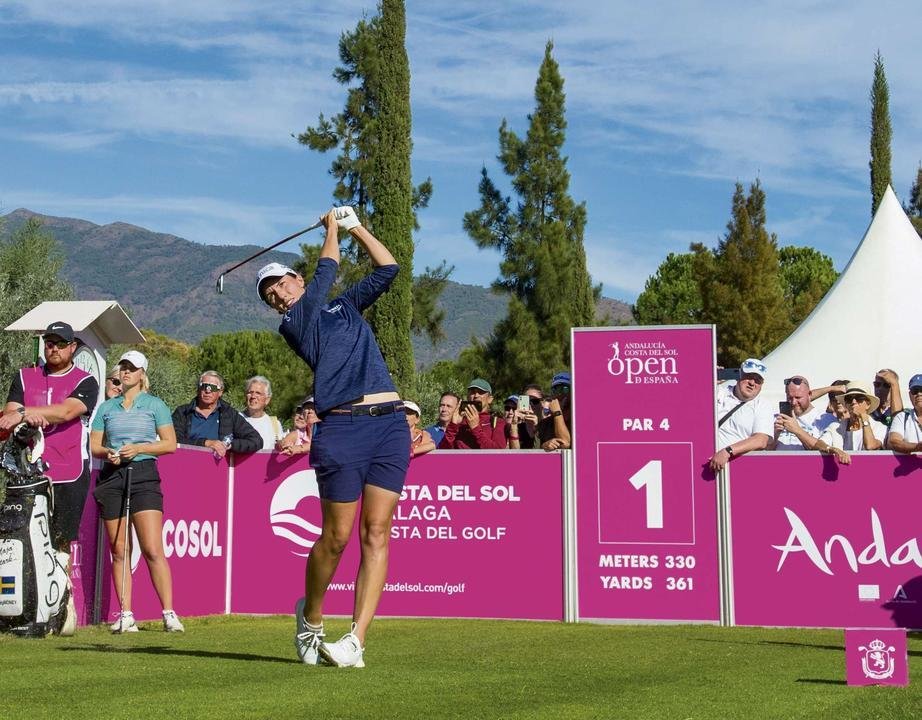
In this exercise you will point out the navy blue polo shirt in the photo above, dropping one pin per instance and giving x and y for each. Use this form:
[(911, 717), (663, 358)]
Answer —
[(204, 428), (334, 339)]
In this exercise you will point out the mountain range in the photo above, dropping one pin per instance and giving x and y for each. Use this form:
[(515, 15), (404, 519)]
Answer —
[(167, 284)]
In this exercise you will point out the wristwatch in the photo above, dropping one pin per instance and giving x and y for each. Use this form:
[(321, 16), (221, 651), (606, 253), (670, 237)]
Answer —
[(729, 450)]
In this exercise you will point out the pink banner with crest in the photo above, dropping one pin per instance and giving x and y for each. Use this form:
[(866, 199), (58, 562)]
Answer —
[(646, 504), (475, 534), (818, 544)]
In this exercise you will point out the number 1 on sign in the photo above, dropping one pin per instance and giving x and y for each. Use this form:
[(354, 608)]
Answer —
[(650, 476)]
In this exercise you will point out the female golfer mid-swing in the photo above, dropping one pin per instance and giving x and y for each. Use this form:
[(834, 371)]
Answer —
[(362, 447)]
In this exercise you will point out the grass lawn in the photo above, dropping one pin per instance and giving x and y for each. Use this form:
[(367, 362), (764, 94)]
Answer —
[(245, 667)]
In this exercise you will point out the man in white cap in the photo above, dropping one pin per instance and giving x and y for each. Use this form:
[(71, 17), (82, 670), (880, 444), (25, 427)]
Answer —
[(59, 397), (745, 422)]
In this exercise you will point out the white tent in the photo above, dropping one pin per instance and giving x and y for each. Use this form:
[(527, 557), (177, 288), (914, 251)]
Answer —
[(869, 318)]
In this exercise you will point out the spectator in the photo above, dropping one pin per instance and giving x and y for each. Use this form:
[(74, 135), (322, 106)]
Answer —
[(906, 429), (472, 425), (745, 422), (448, 403), (511, 418), (835, 406), (799, 429), (259, 395), (113, 384), (887, 392), (420, 440), (298, 441), (859, 431), (59, 397), (130, 432), (528, 419), (554, 431), (210, 422)]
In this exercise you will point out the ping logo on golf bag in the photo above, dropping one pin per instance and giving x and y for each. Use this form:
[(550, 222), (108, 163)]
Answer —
[(283, 511)]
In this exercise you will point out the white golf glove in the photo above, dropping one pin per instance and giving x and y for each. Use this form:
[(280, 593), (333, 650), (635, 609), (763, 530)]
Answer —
[(346, 217)]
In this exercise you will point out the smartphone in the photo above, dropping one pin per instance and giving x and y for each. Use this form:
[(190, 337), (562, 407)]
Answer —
[(524, 403), (784, 407), (466, 403)]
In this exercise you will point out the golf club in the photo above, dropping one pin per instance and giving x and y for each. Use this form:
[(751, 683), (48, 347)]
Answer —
[(126, 553), (219, 285)]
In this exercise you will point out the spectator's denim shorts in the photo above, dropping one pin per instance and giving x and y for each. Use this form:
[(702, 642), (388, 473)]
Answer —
[(350, 451)]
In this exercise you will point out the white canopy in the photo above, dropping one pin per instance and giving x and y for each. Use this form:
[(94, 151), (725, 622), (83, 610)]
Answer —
[(105, 318), (869, 318)]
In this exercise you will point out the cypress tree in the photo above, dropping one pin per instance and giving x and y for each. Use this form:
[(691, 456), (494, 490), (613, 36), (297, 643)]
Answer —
[(880, 135), (914, 209), (372, 173), (740, 283), (541, 240)]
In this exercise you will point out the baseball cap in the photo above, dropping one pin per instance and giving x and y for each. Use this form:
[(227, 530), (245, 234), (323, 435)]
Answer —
[(480, 384), (915, 380), (61, 329), (754, 366), (271, 271), (135, 358), (411, 406), (512, 399), (561, 378)]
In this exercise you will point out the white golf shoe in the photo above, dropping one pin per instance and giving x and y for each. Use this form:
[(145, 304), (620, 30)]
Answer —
[(171, 622), (125, 623), (307, 637), (345, 652)]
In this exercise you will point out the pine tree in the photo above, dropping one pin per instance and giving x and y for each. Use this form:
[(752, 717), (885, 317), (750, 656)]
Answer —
[(880, 135), (671, 295), (372, 174), (914, 209), (541, 240), (740, 283)]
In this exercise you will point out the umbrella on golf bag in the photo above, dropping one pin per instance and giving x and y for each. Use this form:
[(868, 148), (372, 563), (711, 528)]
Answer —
[(33, 584)]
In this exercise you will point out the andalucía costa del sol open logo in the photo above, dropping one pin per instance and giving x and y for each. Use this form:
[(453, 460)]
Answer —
[(648, 363)]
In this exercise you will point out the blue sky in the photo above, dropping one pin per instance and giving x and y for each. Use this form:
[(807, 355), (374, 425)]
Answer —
[(178, 116)]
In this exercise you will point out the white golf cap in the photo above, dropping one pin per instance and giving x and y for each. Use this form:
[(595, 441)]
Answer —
[(271, 271), (135, 358), (410, 405)]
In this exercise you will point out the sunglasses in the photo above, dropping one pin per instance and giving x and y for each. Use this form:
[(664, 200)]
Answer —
[(114, 381), (560, 390), (915, 390), (881, 384), (752, 377), (856, 398), (794, 380), (209, 387), (59, 344), (510, 408)]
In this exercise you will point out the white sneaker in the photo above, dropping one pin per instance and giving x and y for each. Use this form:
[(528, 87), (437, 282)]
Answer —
[(307, 637), (70, 618), (125, 623), (345, 652), (171, 622)]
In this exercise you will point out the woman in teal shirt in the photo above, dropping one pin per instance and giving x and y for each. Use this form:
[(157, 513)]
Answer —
[(130, 431)]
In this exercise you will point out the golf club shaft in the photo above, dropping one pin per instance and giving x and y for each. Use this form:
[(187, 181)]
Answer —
[(126, 553), (220, 282)]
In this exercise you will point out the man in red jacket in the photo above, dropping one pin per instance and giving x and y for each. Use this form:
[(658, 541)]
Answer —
[(473, 426)]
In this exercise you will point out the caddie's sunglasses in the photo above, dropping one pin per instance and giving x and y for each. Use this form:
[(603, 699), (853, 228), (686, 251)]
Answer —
[(794, 380), (59, 344), (114, 381), (209, 387)]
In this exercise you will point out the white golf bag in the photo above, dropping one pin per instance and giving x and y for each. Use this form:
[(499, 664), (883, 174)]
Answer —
[(33, 583)]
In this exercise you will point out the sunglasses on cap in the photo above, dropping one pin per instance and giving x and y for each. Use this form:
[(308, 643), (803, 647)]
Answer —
[(794, 380), (59, 344), (114, 380), (209, 387)]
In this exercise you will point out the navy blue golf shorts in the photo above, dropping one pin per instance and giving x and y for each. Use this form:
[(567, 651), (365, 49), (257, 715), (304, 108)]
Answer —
[(350, 451)]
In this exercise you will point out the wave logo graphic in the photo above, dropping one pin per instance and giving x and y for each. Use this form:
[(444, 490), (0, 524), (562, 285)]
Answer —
[(286, 522)]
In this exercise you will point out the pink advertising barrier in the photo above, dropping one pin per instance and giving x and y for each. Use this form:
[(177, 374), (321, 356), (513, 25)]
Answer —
[(476, 534), (646, 507), (195, 538), (816, 544)]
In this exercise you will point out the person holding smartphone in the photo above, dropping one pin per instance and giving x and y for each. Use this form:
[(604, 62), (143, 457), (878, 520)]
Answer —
[(473, 426), (799, 422)]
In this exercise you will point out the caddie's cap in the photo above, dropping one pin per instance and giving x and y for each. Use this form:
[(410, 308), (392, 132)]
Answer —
[(61, 329)]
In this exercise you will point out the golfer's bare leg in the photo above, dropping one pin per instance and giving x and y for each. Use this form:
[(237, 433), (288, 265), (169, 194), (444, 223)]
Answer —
[(338, 518), (378, 507), (149, 526), (115, 530)]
